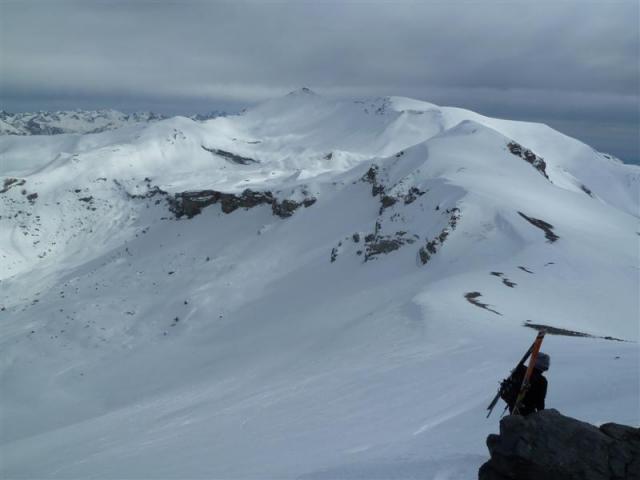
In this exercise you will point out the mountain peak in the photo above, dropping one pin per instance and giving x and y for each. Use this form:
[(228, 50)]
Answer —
[(302, 91)]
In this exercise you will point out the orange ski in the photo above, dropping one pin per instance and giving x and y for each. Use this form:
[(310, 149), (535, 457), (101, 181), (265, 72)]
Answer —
[(524, 388)]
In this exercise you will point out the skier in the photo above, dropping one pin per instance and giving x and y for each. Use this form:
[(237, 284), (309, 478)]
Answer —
[(537, 391), (525, 389)]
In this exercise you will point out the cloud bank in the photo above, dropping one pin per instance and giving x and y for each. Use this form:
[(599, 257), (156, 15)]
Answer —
[(571, 64)]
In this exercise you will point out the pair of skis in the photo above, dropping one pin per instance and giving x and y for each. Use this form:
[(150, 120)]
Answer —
[(526, 381)]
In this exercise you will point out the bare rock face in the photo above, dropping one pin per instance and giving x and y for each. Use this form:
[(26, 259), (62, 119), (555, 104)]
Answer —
[(547, 445), (547, 228), (433, 245), (528, 156), (382, 244), (190, 204)]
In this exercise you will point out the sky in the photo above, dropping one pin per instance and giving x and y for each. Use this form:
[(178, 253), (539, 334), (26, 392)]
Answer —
[(571, 64)]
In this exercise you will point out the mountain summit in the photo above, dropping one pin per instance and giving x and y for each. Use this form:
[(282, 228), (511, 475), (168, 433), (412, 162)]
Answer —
[(315, 288)]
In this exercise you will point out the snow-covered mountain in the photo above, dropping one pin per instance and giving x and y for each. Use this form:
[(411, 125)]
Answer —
[(80, 121), (312, 289)]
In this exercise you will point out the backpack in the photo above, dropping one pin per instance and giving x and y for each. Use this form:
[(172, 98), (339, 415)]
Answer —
[(510, 387)]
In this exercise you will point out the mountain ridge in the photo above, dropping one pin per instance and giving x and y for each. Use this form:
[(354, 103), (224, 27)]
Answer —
[(80, 121), (334, 286)]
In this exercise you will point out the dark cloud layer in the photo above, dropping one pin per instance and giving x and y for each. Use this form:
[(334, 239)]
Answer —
[(572, 64)]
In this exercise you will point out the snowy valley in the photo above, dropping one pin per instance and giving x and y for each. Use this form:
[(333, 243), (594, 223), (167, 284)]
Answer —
[(315, 288)]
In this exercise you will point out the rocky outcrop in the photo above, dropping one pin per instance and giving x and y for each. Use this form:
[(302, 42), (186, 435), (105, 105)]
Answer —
[(9, 183), (472, 298), (190, 204), (546, 227), (586, 190), (548, 445), (372, 176), (551, 330), (286, 208), (377, 188), (504, 279), (150, 192), (376, 244), (231, 157), (412, 195), (433, 245), (528, 156)]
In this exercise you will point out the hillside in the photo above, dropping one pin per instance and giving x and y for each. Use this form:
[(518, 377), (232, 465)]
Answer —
[(312, 289)]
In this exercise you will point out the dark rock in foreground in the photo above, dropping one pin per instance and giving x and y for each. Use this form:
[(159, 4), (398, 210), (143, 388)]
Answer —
[(547, 445)]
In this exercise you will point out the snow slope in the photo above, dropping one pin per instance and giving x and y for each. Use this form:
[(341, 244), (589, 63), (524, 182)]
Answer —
[(351, 320)]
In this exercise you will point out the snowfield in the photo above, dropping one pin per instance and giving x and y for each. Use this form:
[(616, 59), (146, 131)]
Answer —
[(314, 289)]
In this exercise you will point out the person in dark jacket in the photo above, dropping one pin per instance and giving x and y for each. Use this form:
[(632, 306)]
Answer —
[(533, 400)]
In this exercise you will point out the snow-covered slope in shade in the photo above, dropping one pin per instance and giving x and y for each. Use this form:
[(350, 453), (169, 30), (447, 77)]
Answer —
[(347, 317)]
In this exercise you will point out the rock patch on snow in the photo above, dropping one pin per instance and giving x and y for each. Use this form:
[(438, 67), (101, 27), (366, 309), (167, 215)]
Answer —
[(528, 156), (379, 244), (546, 227), (586, 190), (504, 279), (372, 177), (472, 298), (433, 245), (551, 330), (231, 157), (12, 182), (190, 204)]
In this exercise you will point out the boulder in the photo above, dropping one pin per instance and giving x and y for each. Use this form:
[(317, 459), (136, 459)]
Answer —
[(548, 445)]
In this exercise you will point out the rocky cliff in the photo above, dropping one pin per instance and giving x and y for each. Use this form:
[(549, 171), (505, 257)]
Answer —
[(548, 445)]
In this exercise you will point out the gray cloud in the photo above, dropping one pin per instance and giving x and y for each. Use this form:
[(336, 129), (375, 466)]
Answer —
[(571, 64)]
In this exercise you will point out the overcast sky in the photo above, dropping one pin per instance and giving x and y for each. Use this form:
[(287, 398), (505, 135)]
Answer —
[(571, 64)]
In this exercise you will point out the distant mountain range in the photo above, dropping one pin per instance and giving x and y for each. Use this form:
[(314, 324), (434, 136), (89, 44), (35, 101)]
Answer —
[(80, 121)]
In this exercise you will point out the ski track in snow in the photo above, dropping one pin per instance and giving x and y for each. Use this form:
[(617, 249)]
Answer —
[(333, 343)]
